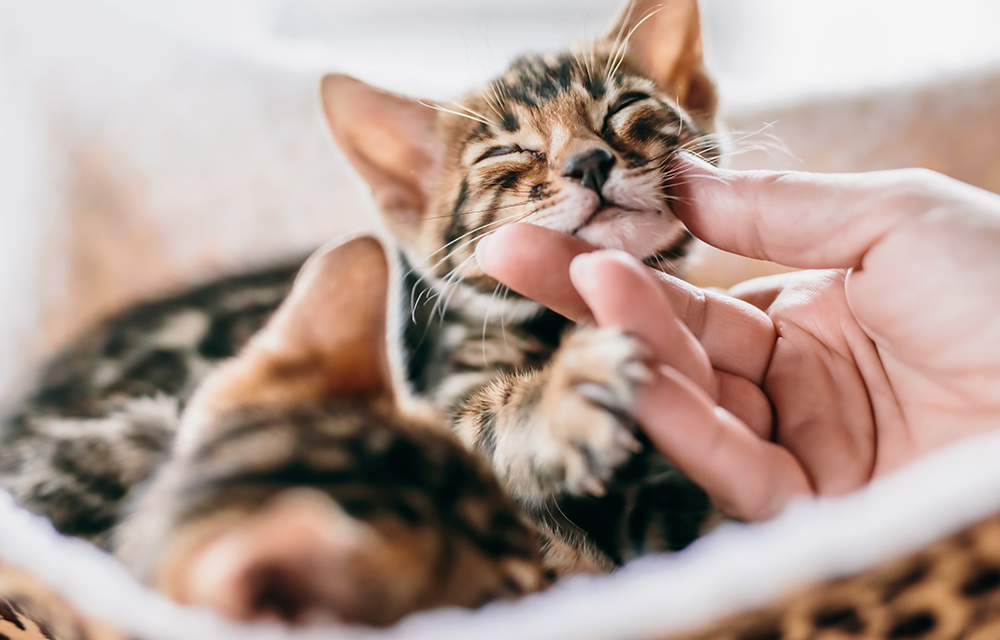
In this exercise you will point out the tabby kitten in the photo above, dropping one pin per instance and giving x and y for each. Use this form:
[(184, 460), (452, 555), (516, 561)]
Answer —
[(581, 142), (302, 482)]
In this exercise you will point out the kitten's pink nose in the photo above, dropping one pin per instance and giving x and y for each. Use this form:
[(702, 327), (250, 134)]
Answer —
[(590, 167)]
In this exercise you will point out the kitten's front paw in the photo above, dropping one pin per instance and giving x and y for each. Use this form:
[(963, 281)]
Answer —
[(587, 405)]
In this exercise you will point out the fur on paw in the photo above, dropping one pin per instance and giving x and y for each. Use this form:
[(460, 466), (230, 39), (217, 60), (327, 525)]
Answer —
[(587, 404)]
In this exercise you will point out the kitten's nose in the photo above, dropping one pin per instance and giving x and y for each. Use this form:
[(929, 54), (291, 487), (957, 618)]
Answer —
[(591, 168)]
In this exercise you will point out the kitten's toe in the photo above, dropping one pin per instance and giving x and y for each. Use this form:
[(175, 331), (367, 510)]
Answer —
[(594, 380)]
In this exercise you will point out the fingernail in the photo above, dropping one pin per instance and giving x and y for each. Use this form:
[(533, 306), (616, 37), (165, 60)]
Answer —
[(580, 265), (482, 247)]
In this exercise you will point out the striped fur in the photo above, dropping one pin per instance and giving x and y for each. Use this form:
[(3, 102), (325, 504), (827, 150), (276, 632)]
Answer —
[(300, 481), (545, 402)]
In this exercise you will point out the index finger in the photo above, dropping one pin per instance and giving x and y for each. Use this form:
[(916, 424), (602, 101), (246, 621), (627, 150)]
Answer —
[(535, 262), (798, 219)]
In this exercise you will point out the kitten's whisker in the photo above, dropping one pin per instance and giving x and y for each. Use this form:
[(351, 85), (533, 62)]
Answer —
[(620, 55), (452, 279), (481, 117), (455, 113), (734, 141), (583, 62), (451, 285), (618, 38), (568, 519), (486, 320), (475, 211), (503, 327), (445, 282), (494, 92), (468, 233)]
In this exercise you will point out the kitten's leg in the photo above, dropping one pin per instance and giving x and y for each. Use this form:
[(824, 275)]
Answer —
[(563, 428)]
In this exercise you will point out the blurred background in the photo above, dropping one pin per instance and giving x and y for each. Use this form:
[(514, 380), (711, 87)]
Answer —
[(759, 50), (149, 143)]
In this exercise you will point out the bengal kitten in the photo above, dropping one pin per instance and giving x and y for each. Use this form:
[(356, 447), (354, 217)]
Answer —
[(302, 481), (581, 142)]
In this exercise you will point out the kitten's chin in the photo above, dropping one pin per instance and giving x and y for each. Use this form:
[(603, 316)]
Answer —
[(640, 234)]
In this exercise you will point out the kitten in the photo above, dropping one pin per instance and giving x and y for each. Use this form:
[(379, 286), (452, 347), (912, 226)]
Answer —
[(301, 482), (581, 142)]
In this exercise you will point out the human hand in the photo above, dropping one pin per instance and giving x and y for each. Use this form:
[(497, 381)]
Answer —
[(889, 352)]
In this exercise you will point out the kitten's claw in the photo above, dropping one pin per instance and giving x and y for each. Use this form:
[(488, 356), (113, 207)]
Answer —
[(587, 405), (593, 486)]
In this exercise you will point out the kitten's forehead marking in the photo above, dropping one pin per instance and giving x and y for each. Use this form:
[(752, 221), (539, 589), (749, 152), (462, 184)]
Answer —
[(544, 101)]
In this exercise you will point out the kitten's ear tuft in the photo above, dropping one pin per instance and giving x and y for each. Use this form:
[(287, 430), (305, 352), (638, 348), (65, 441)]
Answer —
[(390, 139), (663, 40)]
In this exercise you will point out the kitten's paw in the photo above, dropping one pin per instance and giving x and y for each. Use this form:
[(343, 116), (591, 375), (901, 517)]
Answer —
[(587, 404)]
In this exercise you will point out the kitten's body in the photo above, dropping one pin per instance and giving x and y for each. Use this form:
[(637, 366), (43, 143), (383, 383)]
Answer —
[(580, 142), (105, 411)]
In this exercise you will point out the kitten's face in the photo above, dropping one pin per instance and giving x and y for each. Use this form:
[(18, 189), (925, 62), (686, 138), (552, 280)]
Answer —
[(582, 142), (561, 142)]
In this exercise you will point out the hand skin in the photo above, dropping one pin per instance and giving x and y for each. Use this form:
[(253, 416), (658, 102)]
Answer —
[(813, 382)]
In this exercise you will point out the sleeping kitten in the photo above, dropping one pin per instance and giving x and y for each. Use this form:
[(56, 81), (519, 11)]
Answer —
[(581, 142), (303, 483)]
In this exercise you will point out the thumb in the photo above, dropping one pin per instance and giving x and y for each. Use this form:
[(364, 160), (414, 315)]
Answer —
[(805, 220)]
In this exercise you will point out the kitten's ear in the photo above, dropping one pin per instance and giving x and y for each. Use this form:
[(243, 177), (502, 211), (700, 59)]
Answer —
[(326, 341), (663, 39), (333, 323), (390, 139)]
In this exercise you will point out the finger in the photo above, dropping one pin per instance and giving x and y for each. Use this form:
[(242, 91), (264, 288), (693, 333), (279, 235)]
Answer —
[(622, 293), (738, 337), (745, 476), (746, 401), (797, 219), (534, 262), (760, 292)]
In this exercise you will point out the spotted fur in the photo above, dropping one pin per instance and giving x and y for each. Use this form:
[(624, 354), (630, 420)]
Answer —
[(30, 610), (950, 589), (105, 411), (581, 142), (301, 439)]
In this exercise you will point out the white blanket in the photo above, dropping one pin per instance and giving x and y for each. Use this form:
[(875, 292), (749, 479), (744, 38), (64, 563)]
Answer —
[(734, 568)]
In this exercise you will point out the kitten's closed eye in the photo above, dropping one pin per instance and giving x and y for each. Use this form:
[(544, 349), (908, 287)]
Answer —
[(626, 100), (506, 150)]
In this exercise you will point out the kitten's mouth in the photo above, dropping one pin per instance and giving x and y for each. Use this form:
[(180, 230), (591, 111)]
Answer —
[(605, 210)]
